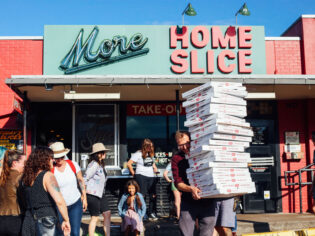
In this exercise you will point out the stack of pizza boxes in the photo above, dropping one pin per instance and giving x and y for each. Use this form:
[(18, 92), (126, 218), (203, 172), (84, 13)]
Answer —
[(218, 162)]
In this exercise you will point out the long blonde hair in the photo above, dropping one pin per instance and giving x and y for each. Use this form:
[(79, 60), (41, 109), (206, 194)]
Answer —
[(9, 157), (147, 148)]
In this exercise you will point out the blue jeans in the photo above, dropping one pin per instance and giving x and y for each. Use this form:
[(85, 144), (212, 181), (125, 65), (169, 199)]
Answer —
[(46, 226), (75, 212)]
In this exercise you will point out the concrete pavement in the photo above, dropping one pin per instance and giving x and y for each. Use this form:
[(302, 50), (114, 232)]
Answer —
[(247, 223)]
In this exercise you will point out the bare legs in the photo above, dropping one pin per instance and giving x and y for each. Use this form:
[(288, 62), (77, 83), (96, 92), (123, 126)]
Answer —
[(106, 224), (177, 197), (92, 224)]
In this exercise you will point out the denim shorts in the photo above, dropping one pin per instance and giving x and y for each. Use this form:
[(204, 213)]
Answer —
[(46, 226)]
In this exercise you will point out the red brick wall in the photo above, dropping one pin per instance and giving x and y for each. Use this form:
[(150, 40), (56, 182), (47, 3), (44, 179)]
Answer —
[(283, 57), (17, 57), (292, 116)]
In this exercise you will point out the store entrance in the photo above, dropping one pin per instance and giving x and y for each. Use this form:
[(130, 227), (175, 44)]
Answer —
[(51, 122), (262, 169), (96, 123)]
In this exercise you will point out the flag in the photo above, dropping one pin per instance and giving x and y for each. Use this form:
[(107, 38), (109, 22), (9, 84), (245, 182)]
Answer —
[(244, 10)]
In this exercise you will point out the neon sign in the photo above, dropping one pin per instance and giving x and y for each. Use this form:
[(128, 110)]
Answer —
[(103, 55)]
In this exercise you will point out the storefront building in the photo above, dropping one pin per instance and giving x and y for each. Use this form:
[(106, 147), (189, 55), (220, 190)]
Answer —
[(121, 84)]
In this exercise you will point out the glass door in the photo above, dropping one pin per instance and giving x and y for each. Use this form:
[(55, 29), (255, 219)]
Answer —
[(96, 123)]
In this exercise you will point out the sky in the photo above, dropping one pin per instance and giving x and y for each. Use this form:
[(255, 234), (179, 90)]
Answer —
[(28, 17)]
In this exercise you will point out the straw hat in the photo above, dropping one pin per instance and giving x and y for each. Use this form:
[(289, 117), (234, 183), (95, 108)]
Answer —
[(98, 147), (59, 149)]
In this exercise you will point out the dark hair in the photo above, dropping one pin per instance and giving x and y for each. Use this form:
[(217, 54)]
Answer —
[(133, 183), (95, 157), (147, 144), (9, 157), (39, 160)]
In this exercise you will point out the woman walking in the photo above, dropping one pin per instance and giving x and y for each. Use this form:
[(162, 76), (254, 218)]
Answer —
[(10, 213), (145, 173), (95, 178), (42, 195), (69, 177)]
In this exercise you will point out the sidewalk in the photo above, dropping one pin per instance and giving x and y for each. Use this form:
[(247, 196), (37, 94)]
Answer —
[(247, 223)]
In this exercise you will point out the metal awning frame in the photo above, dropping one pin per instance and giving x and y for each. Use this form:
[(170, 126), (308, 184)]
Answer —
[(33, 80)]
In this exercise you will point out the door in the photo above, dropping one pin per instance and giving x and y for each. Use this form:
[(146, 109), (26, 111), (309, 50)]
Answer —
[(96, 123), (263, 168)]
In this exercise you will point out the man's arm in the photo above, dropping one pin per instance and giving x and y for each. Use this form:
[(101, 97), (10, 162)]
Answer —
[(191, 189)]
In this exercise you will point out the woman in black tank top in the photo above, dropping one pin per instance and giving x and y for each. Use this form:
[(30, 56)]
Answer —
[(42, 196)]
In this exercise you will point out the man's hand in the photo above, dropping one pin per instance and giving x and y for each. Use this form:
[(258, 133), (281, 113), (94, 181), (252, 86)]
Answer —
[(195, 192)]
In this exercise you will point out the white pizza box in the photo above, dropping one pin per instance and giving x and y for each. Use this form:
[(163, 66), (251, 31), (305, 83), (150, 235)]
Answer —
[(217, 108), (219, 128), (233, 110), (205, 140), (219, 98), (227, 193), (199, 120), (217, 164), (219, 176), (219, 136), (212, 84), (193, 162), (217, 122), (212, 97), (207, 148), (219, 153), (211, 181), (203, 148), (219, 172), (224, 186)]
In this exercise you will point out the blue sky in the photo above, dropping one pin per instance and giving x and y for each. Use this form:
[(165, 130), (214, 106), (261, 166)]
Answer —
[(28, 17)]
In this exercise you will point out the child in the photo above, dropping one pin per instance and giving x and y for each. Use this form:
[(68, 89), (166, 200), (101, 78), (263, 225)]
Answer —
[(132, 208)]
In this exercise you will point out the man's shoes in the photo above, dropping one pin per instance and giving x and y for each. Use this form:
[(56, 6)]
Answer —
[(152, 216)]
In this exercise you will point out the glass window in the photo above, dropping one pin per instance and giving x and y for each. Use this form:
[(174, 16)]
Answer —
[(154, 121), (96, 123)]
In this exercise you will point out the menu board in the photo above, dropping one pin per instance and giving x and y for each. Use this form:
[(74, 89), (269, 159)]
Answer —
[(12, 139)]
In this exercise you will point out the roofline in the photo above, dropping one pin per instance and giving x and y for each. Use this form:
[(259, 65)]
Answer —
[(264, 79), (308, 16), (21, 37), (282, 38)]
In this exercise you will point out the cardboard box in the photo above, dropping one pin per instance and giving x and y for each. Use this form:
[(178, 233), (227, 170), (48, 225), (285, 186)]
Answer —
[(206, 148), (217, 164), (225, 129), (238, 111), (214, 97), (206, 141), (218, 122), (219, 153), (199, 120), (209, 85), (232, 172)]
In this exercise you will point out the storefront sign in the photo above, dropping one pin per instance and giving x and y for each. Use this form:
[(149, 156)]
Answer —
[(213, 39), (11, 139), (153, 50), (153, 109), (71, 62)]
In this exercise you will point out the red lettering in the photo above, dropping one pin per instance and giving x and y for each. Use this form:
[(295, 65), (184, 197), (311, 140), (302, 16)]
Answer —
[(204, 34), (194, 63), (177, 59), (210, 62), (244, 37), (179, 37), (221, 64), (243, 61), (217, 37)]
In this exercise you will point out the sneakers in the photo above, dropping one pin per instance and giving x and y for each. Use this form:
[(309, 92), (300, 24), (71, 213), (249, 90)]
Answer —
[(153, 217)]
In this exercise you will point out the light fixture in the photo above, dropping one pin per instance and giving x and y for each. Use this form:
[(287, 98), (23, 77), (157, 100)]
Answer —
[(189, 11), (72, 95), (48, 87), (243, 11), (260, 96)]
